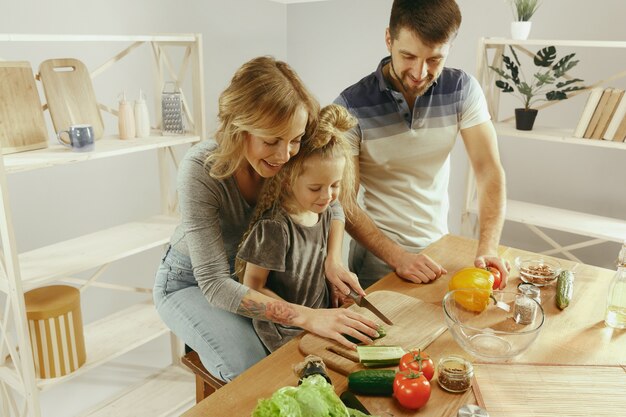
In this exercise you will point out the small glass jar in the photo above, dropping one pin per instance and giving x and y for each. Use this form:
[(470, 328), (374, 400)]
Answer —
[(455, 374), (530, 290), (525, 309)]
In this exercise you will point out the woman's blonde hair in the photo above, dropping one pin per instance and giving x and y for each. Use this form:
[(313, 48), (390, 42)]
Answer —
[(262, 99), (328, 142)]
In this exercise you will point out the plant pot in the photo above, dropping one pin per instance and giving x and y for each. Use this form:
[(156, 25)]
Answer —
[(525, 118), (520, 30)]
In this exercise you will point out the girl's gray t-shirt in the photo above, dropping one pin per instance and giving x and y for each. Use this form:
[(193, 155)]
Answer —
[(214, 217), (295, 256)]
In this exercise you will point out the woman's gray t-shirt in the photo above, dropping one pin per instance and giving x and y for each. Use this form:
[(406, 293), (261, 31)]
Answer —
[(214, 217), (295, 256)]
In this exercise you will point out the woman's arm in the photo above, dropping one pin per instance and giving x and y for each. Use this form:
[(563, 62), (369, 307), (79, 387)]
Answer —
[(329, 323)]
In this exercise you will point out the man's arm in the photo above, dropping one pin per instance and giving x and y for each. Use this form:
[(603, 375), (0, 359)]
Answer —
[(410, 266), (482, 149)]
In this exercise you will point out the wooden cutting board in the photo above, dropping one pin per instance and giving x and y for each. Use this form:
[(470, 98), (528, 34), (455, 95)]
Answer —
[(70, 95), (539, 390), (415, 325), (22, 126)]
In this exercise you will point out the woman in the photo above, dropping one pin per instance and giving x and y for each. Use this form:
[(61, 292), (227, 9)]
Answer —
[(264, 114)]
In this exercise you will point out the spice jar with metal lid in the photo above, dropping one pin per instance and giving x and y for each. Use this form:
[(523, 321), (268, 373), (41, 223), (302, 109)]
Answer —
[(455, 373), (530, 290)]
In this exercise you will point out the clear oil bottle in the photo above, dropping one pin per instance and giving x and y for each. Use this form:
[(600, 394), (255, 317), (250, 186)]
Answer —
[(616, 301)]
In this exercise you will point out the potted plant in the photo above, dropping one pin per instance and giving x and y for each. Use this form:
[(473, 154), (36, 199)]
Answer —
[(547, 84), (523, 10)]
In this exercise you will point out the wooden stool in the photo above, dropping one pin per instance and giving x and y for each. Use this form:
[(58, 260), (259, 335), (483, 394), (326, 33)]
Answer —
[(206, 384), (56, 330)]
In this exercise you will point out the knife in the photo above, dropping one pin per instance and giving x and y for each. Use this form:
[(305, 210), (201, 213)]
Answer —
[(361, 301), (351, 401)]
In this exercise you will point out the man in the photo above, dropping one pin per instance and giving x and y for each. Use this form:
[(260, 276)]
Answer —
[(410, 111)]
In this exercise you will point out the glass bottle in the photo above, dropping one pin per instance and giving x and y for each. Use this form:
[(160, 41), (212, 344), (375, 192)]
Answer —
[(616, 301)]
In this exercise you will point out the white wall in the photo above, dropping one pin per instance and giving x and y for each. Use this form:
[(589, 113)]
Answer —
[(334, 44)]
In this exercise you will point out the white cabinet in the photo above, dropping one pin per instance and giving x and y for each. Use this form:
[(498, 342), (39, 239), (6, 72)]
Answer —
[(125, 330), (535, 216)]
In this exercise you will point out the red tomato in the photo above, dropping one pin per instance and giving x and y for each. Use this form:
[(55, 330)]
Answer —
[(412, 360), (412, 390), (497, 277)]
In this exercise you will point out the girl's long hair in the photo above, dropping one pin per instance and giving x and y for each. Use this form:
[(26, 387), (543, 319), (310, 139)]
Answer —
[(329, 142), (262, 99)]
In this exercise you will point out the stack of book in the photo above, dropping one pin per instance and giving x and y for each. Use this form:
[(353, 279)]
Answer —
[(604, 115)]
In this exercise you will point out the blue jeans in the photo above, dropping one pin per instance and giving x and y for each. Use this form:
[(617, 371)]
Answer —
[(226, 342)]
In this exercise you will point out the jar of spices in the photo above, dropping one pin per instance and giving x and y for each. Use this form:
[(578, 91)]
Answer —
[(455, 373), (525, 309), (530, 290)]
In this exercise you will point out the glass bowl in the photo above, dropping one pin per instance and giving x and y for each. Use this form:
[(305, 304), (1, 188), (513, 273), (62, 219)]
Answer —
[(537, 270), (493, 332)]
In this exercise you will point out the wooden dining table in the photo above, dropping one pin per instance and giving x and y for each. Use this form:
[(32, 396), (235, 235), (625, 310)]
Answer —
[(575, 357)]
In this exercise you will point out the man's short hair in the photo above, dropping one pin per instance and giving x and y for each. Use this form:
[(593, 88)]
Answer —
[(433, 21)]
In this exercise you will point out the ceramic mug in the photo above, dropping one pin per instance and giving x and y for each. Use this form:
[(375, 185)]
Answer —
[(81, 138)]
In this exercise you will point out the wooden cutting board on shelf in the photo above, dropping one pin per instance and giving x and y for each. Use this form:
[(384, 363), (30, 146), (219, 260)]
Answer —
[(22, 126), (70, 95), (415, 325)]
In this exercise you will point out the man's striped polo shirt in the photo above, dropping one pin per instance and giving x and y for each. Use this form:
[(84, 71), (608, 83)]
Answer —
[(404, 158)]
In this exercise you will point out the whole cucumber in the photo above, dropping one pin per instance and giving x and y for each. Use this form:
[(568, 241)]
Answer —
[(564, 289), (372, 381)]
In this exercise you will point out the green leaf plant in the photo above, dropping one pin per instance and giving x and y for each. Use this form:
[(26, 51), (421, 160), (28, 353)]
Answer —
[(547, 84), (523, 10)]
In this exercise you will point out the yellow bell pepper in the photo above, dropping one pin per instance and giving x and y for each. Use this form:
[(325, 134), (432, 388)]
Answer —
[(472, 278)]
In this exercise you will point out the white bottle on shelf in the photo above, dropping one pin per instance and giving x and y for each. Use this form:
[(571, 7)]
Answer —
[(616, 300), (125, 119), (142, 118)]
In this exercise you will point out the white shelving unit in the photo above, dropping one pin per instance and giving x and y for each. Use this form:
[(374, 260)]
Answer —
[(123, 331), (538, 217)]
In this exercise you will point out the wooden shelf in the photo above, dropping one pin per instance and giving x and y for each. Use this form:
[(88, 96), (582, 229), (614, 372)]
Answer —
[(113, 336), (543, 42), (552, 134), (18, 37), (585, 224), (105, 148), (160, 395), (174, 57), (65, 258)]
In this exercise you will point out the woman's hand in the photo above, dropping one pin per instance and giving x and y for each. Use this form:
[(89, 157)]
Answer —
[(334, 323), (341, 281)]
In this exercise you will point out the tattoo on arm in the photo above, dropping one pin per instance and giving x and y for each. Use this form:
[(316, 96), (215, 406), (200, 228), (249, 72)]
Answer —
[(276, 311)]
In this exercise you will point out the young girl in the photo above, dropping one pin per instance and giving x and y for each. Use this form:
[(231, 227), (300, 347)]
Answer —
[(282, 254)]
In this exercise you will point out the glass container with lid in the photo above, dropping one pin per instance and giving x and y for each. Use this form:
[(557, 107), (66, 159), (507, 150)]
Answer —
[(455, 373)]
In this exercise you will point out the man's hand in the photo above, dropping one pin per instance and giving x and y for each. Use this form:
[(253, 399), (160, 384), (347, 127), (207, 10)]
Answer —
[(500, 264), (419, 268)]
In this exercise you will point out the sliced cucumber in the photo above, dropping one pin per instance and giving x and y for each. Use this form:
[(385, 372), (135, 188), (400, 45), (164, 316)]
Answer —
[(373, 356)]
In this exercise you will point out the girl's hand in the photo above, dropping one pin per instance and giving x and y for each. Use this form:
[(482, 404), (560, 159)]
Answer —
[(334, 323), (341, 279)]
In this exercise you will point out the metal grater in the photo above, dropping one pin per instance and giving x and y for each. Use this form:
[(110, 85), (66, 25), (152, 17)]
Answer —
[(172, 109)]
